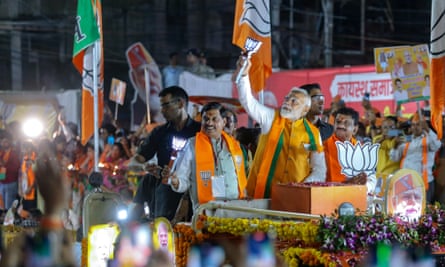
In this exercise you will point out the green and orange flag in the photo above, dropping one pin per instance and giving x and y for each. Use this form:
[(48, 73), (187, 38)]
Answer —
[(88, 30)]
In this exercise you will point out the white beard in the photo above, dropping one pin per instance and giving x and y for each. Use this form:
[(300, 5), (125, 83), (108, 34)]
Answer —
[(289, 114)]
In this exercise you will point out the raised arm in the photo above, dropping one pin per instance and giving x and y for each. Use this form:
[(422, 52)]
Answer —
[(257, 111)]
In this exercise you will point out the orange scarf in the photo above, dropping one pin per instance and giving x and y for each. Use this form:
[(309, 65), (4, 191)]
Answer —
[(205, 165), (266, 155), (424, 160), (30, 176), (332, 163), (281, 157)]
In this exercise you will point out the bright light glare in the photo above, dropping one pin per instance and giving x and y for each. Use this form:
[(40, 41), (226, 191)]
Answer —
[(122, 214), (32, 127), (143, 236)]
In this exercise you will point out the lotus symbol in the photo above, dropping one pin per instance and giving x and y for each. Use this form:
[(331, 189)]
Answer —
[(257, 15), (357, 159)]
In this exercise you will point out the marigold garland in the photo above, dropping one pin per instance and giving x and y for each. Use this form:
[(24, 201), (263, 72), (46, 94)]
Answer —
[(308, 257), (185, 237), (285, 230), (84, 249)]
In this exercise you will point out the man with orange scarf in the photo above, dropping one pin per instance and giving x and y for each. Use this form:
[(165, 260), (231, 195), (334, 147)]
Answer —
[(27, 186), (418, 154), (289, 148), (212, 165), (345, 126)]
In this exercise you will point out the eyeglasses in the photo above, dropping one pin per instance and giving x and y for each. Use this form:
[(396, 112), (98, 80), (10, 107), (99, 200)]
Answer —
[(169, 103), (317, 97)]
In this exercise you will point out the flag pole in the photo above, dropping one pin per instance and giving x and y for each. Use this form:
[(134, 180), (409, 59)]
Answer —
[(147, 93), (96, 105), (115, 110)]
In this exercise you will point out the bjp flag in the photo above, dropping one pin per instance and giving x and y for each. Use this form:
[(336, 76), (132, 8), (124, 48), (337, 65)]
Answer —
[(437, 51), (252, 19), (88, 30)]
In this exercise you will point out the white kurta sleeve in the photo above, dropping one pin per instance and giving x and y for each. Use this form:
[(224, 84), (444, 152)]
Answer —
[(396, 153), (433, 142), (257, 111), (184, 170), (318, 165)]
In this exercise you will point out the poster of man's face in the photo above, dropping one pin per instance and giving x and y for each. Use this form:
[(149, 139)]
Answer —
[(406, 195), (163, 238)]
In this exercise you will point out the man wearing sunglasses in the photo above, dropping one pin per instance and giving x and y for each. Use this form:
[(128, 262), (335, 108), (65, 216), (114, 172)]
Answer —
[(163, 202), (316, 111)]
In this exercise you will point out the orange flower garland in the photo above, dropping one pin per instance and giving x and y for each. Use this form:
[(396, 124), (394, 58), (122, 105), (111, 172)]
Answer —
[(307, 257), (185, 237)]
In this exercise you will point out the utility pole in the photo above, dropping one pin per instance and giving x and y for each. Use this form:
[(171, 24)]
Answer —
[(275, 34), (328, 11), (15, 48)]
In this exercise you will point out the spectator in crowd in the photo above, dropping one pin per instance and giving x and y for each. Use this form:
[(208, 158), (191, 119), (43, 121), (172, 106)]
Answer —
[(286, 143), (27, 183), (360, 135), (113, 168), (162, 200), (387, 139), (317, 106), (345, 126), (371, 116), (212, 166), (336, 104), (9, 169), (171, 72), (231, 121), (385, 166), (196, 67), (418, 153), (50, 238), (231, 128)]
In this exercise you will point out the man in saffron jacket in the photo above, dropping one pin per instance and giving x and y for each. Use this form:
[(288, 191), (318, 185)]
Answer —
[(345, 126), (212, 165), (289, 147)]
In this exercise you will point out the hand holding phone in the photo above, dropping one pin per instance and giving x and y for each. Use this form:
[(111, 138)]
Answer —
[(394, 132), (110, 140)]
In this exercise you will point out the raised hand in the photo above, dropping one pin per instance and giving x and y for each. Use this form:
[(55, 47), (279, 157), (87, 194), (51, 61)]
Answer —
[(51, 178)]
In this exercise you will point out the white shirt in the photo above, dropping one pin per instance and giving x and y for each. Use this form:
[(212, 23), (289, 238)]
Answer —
[(413, 158), (265, 116), (400, 95), (186, 171)]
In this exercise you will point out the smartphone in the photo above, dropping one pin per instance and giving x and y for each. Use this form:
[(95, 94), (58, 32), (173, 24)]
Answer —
[(110, 140), (394, 132), (260, 250)]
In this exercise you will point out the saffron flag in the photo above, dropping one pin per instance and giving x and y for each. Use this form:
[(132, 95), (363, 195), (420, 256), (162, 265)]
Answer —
[(437, 52), (252, 19), (88, 30)]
